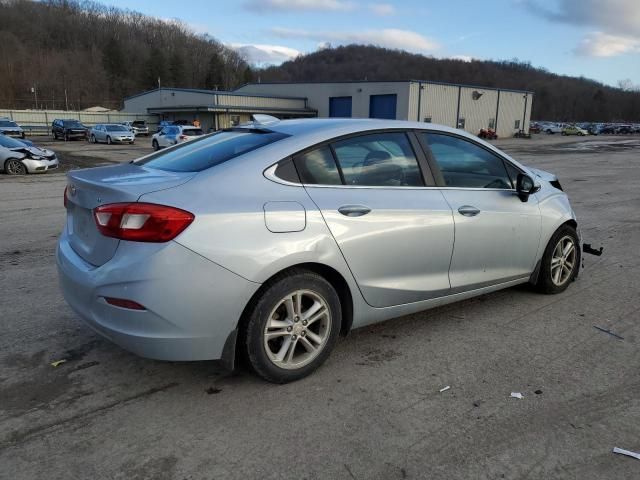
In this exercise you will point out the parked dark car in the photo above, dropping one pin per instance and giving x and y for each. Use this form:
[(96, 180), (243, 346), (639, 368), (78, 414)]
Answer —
[(624, 129), (608, 129), (534, 128), (68, 129)]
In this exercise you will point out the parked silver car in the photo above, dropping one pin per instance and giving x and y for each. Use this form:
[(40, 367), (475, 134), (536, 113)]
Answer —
[(111, 133), (138, 127), (18, 158), (275, 237), (10, 128)]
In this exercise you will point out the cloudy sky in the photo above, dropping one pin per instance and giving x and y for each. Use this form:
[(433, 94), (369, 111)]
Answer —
[(598, 39)]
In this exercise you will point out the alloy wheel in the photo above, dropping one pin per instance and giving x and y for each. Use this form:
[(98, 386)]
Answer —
[(15, 167), (563, 260), (297, 329)]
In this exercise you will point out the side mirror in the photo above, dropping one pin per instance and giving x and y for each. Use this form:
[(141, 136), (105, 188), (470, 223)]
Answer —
[(525, 186)]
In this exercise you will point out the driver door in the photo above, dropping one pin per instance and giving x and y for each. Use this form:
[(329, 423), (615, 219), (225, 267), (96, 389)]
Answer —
[(497, 235)]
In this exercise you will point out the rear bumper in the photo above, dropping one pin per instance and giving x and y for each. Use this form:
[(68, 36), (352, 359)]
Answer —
[(192, 304)]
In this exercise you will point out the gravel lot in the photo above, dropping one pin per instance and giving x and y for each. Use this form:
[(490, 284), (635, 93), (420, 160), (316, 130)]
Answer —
[(374, 410)]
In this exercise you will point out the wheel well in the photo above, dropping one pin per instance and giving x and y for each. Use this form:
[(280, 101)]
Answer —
[(331, 275), (571, 222)]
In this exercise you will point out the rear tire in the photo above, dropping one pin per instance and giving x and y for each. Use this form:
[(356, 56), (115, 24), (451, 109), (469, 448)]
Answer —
[(155, 145), (109, 140), (561, 261), (292, 327)]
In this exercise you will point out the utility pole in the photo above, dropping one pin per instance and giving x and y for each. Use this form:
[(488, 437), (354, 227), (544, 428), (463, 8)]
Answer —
[(35, 94)]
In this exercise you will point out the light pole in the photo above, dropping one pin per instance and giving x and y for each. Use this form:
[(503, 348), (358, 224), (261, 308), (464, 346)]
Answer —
[(34, 90)]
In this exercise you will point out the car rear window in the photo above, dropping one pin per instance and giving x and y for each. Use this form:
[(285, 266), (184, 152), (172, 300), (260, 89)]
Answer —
[(192, 132), (210, 150)]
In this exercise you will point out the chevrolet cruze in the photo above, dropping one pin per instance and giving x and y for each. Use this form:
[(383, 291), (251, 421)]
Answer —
[(271, 239)]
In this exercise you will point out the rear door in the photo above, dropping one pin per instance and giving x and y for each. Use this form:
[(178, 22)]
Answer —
[(395, 234), (496, 234)]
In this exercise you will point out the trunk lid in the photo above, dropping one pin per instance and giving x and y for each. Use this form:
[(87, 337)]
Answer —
[(86, 189)]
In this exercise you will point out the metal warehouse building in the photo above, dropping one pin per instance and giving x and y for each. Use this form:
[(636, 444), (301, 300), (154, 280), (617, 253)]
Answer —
[(467, 107), (215, 109)]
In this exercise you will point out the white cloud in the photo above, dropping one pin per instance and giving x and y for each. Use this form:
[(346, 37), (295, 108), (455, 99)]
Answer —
[(464, 58), (382, 9), (387, 37), (617, 21), (300, 5), (599, 44), (265, 54)]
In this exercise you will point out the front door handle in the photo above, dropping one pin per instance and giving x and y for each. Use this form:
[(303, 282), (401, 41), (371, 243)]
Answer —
[(468, 211), (354, 210)]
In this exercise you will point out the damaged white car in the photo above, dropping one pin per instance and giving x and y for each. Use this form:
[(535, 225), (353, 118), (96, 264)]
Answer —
[(17, 158)]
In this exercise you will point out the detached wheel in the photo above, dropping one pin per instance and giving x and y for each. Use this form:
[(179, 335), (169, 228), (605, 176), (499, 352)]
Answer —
[(292, 327), (560, 262), (13, 166)]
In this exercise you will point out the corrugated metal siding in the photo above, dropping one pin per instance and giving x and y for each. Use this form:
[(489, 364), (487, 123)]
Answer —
[(511, 110), (440, 102), (260, 102), (40, 120), (477, 113)]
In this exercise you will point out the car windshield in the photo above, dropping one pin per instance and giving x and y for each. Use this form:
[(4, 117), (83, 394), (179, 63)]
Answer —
[(192, 132), (9, 142), (138, 123), (8, 123), (73, 124), (116, 128), (210, 150)]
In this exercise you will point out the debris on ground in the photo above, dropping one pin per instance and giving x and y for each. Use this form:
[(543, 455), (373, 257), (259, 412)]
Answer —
[(445, 389), (586, 248), (517, 395), (538, 392), (605, 330), (212, 390), (58, 362), (628, 453)]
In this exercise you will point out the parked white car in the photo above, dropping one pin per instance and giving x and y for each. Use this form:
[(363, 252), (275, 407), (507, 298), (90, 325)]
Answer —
[(174, 134), (11, 128), (111, 133), (551, 128)]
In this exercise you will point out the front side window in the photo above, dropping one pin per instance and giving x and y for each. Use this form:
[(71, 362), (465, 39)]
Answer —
[(208, 151), (7, 123), (379, 159), (466, 165)]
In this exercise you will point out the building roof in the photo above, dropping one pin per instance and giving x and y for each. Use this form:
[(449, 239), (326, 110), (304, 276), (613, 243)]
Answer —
[(390, 81), (211, 92)]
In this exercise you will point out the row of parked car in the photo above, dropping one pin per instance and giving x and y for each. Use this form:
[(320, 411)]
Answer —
[(584, 128)]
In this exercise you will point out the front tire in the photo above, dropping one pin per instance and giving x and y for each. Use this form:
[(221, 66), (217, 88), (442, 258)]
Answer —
[(155, 145), (13, 166), (292, 326), (560, 262), (109, 140)]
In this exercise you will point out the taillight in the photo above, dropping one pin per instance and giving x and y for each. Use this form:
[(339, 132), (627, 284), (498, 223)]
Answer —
[(141, 222), (124, 303)]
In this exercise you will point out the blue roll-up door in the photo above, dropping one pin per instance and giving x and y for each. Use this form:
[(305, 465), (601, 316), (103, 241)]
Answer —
[(383, 106), (340, 106)]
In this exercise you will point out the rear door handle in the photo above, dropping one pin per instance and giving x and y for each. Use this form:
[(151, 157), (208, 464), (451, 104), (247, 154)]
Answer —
[(354, 210), (468, 211)]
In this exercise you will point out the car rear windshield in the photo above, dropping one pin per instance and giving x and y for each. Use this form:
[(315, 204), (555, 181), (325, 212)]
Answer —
[(210, 150), (192, 132), (7, 123), (116, 128)]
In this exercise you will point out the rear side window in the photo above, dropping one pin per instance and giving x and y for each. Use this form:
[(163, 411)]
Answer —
[(466, 165), (380, 159), (318, 167), (210, 150)]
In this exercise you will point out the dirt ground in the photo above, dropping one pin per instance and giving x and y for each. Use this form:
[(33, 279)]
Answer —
[(374, 410)]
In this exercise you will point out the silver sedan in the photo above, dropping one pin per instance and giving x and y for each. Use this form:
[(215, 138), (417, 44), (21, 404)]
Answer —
[(111, 133), (272, 239)]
